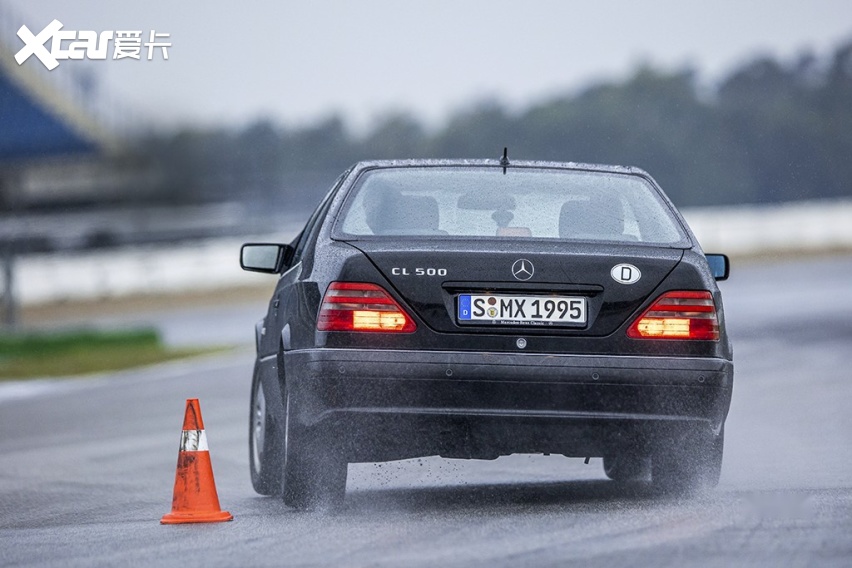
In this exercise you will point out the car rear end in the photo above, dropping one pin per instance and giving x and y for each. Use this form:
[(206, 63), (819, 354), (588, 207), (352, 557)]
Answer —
[(473, 311)]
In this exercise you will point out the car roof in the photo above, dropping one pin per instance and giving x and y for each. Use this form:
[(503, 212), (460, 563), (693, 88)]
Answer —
[(412, 163)]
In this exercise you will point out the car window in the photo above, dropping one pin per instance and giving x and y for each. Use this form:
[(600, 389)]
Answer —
[(313, 223), (522, 203)]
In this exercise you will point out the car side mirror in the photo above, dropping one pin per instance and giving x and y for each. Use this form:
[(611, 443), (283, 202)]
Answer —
[(265, 257), (720, 266)]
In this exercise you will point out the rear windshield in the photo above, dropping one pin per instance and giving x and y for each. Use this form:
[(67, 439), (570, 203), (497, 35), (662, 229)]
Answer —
[(522, 203)]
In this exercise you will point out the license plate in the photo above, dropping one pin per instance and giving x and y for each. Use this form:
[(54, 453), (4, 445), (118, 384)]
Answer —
[(521, 310)]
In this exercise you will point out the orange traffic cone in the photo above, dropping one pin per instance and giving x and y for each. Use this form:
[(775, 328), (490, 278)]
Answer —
[(195, 499)]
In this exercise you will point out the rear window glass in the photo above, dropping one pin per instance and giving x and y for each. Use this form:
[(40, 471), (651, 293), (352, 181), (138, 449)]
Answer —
[(522, 203)]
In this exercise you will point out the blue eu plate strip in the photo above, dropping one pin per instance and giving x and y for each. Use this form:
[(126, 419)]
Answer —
[(464, 307)]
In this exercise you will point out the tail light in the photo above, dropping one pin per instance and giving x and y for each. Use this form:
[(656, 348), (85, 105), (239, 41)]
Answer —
[(678, 315), (360, 306)]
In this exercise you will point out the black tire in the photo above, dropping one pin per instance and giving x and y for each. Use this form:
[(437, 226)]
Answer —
[(314, 469), (627, 466), (691, 463), (265, 457)]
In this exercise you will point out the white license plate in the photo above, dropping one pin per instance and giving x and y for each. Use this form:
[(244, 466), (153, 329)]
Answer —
[(521, 310)]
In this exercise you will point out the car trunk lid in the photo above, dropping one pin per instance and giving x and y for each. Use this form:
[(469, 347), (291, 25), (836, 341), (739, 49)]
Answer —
[(430, 276)]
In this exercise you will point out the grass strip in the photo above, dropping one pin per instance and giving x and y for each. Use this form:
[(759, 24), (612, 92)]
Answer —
[(83, 352)]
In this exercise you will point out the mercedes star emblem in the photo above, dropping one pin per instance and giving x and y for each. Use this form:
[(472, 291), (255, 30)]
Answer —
[(523, 269)]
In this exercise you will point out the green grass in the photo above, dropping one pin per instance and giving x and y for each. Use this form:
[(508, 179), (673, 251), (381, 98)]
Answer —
[(83, 352)]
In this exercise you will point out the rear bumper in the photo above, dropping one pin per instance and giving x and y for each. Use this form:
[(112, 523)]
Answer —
[(390, 404)]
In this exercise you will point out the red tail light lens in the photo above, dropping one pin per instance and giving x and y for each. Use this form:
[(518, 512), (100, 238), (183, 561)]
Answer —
[(678, 315), (360, 306)]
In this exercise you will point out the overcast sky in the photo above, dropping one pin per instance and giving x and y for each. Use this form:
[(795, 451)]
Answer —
[(237, 61)]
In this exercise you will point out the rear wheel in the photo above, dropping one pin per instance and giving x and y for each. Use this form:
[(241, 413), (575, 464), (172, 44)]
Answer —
[(690, 463), (314, 469), (264, 453), (627, 466)]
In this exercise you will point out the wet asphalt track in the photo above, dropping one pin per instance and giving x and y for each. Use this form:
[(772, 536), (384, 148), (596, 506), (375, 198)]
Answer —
[(87, 467)]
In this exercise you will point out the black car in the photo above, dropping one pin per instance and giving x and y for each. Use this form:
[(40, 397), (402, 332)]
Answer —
[(479, 308)]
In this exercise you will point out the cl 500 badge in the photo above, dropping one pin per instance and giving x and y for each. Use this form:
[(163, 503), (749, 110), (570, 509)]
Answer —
[(419, 271)]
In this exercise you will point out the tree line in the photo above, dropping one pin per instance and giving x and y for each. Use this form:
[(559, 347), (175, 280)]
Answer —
[(770, 131)]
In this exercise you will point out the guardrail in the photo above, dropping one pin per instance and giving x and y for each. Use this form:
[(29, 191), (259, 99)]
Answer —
[(743, 230), (213, 263)]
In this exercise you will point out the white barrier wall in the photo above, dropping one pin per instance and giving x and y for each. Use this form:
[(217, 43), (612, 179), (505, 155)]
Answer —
[(746, 230), (206, 265), (215, 264)]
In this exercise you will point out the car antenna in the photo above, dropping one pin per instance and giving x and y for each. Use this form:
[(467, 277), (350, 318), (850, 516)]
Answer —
[(504, 161)]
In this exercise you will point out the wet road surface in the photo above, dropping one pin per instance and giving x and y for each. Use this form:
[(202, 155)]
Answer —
[(87, 468)]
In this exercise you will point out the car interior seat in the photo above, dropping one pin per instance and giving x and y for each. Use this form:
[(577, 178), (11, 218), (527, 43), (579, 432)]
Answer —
[(407, 215), (598, 216)]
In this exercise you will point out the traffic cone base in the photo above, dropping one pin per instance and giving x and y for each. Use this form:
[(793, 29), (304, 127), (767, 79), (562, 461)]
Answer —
[(195, 499), (210, 517)]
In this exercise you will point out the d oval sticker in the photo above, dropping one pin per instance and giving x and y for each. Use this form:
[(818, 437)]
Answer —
[(625, 273)]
